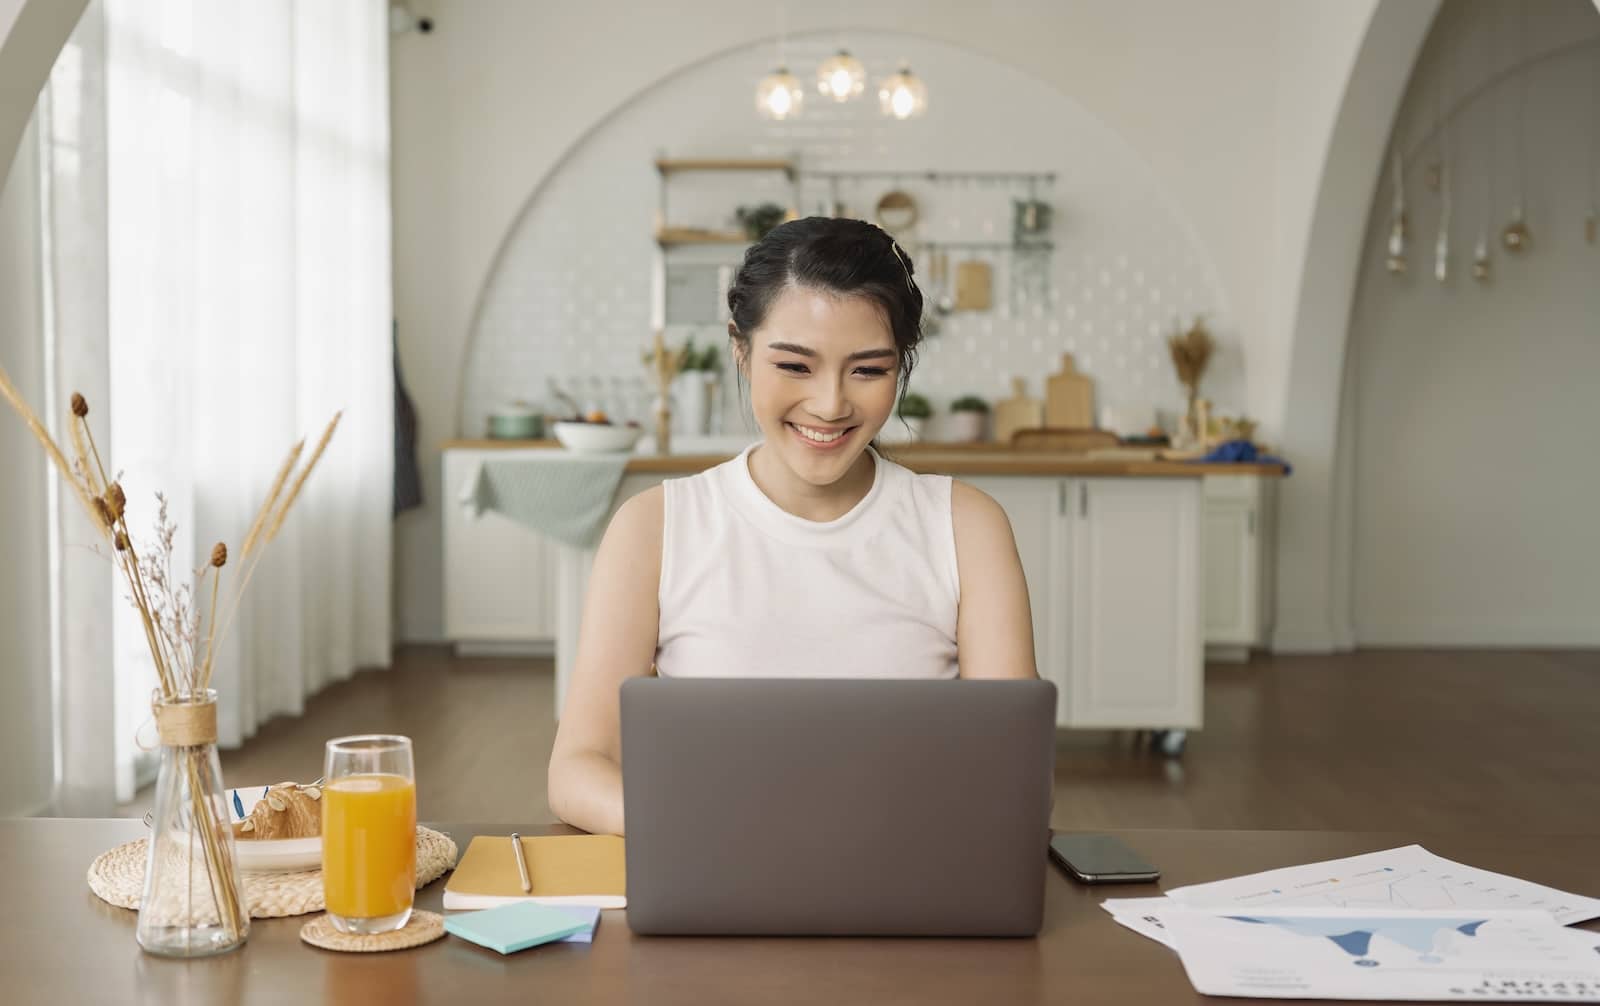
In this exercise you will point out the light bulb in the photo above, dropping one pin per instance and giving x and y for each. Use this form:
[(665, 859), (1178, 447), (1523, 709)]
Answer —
[(841, 76), (779, 94), (903, 96)]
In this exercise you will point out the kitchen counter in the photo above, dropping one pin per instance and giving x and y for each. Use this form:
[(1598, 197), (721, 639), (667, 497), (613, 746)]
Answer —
[(940, 459)]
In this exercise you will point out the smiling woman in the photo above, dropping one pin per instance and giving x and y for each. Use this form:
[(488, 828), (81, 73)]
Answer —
[(809, 554)]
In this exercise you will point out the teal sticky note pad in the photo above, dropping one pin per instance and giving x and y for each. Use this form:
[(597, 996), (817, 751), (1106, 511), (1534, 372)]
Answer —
[(510, 928)]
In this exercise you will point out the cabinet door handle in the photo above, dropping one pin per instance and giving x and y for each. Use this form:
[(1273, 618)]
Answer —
[(1252, 522), (1061, 498), (1083, 499)]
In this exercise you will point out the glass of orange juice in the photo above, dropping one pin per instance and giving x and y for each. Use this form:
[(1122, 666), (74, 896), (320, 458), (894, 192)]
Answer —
[(369, 833)]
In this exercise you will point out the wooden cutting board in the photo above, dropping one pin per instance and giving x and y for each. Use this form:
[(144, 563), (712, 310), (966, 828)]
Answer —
[(973, 283), (1069, 398), (1019, 412)]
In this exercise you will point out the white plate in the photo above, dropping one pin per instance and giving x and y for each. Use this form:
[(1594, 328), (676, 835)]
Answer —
[(273, 855)]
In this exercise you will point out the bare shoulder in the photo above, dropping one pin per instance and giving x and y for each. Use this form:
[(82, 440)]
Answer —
[(976, 516), (638, 521)]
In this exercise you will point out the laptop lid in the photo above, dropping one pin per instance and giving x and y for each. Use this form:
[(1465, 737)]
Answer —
[(837, 806)]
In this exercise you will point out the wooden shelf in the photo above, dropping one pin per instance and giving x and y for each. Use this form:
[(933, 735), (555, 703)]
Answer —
[(690, 236), (669, 166)]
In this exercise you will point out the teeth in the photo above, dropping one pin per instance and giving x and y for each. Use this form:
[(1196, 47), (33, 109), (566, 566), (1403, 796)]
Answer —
[(821, 438)]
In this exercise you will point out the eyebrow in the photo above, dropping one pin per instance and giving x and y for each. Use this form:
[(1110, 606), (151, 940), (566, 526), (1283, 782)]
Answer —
[(864, 354)]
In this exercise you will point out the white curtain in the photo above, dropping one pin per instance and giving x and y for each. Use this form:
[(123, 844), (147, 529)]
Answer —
[(247, 295)]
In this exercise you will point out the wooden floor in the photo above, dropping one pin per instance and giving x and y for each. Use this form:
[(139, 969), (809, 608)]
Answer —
[(1427, 741)]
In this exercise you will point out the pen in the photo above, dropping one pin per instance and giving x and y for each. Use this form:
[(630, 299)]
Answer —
[(522, 863)]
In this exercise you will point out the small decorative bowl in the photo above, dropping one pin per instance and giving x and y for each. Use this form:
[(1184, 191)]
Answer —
[(597, 438), (269, 855)]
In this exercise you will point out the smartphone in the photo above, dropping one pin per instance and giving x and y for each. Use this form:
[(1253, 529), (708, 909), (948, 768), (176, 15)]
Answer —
[(1100, 859)]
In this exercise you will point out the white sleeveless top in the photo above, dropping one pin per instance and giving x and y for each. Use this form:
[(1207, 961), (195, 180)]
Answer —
[(750, 590)]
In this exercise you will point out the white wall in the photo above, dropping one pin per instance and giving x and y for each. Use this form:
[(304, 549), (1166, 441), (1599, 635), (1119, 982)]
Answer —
[(26, 763), (486, 106), (1474, 406), (569, 294)]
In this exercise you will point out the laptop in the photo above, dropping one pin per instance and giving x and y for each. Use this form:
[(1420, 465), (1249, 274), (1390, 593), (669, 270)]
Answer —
[(837, 807)]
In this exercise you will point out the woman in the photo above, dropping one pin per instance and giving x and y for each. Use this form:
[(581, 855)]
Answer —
[(810, 554)]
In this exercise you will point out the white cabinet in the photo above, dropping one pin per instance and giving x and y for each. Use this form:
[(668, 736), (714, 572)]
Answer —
[(1238, 563), (1137, 657), (500, 584), (1113, 571)]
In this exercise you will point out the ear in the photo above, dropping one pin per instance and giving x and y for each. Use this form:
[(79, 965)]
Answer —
[(740, 352)]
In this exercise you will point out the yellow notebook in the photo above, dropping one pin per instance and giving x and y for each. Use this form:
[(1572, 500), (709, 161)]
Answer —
[(565, 870)]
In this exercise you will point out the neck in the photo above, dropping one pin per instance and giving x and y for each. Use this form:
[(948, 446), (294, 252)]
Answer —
[(778, 482)]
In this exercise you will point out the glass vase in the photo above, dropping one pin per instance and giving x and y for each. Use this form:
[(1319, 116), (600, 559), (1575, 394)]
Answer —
[(193, 904)]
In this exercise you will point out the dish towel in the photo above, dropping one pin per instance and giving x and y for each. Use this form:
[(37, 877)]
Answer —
[(1243, 452), (562, 496)]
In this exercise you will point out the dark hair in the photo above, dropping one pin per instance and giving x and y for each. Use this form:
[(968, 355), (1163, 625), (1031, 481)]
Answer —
[(836, 255)]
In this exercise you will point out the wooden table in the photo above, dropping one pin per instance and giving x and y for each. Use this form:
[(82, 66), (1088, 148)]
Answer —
[(61, 944)]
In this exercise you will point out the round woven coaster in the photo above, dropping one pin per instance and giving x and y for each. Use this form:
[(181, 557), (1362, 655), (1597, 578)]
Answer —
[(422, 927), (117, 877)]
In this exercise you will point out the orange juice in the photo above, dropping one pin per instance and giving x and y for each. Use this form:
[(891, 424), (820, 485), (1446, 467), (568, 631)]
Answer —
[(369, 845)]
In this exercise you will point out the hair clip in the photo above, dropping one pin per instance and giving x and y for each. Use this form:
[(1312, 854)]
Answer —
[(905, 263)]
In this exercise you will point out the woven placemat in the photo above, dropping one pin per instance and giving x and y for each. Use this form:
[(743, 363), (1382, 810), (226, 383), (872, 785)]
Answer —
[(422, 927), (117, 877)]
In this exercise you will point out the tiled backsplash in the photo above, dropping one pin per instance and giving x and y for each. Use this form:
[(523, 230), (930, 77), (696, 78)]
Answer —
[(570, 294)]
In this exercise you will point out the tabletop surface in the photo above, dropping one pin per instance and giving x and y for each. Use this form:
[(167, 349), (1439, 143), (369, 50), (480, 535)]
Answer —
[(59, 943)]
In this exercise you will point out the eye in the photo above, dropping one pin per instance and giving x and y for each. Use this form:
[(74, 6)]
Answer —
[(872, 371), (793, 368)]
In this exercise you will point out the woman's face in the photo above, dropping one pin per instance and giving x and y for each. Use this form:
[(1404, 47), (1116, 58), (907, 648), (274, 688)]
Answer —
[(822, 370)]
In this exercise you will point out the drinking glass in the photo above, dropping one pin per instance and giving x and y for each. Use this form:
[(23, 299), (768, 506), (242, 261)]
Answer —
[(369, 833)]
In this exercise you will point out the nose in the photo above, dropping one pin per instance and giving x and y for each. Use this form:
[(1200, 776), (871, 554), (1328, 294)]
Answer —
[(828, 402)]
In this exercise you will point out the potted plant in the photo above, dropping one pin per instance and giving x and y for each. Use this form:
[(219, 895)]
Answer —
[(695, 387), (758, 220), (967, 414), (914, 412)]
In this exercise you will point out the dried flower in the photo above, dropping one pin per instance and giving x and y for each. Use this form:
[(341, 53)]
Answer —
[(103, 511), (116, 500), (121, 541), (219, 555), (80, 408)]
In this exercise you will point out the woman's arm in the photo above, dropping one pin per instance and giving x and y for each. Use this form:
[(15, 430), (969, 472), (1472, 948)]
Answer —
[(616, 641), (994, 625)]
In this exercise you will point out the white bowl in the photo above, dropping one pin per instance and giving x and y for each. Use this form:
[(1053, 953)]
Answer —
[(270, 855), (597, 438)]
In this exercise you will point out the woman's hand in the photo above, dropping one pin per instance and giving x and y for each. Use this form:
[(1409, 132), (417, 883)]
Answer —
[(616, 641)]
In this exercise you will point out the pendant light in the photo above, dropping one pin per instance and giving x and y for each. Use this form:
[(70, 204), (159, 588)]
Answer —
[(779, 95), (841, 76), (1396, 261), (903, 95)]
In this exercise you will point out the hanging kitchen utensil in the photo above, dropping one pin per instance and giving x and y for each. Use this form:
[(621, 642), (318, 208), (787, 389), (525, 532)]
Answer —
[(896, 212), (1396, 262), (974, 280)]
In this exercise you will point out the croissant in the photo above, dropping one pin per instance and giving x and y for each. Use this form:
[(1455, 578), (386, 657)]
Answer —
[(288, 810)]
